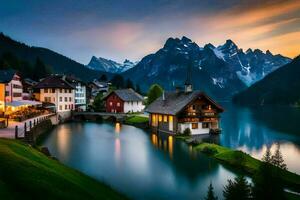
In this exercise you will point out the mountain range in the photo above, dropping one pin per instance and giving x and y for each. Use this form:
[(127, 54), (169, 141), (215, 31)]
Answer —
[(279, 87), (56, 62), (106, 65), (219, 71)]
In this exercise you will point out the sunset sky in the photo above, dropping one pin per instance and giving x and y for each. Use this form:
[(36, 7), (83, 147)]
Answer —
[(119, 29)]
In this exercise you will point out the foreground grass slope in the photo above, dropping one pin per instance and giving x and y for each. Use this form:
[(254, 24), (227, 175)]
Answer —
[(25, 173), (246, 163)]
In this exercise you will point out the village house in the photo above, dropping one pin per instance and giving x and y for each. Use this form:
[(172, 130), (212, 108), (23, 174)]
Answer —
[(80, 92), (176, 111), (58, 92), (124, 101), (11, 93)]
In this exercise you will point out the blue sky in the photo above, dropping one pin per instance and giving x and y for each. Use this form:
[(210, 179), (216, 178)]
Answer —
[(119, 29)]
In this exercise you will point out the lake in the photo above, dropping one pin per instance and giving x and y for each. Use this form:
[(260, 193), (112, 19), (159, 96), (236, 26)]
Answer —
[(144, 165)]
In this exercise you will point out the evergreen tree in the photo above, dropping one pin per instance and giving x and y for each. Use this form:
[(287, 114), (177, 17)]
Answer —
[(129, 84), (138, 89), (154, 92), (267, 156), (267, 184), (118, 81), (210, 193), (103, 78), (40, 70), (238, 189), (277, 158), (98, 103)]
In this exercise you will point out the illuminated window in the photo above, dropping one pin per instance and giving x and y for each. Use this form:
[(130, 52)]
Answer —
[(165, 118), (209, 107), (194, 125), (153, 120), (118, 104), (110, 103), (171, 123), (159, 118)]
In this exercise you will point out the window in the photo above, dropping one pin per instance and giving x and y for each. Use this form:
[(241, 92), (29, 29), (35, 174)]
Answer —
[(159, 118), (53, 99), (60, 107), (6, 93), (66, 107), (17, 94), (70, 99), (70, 91), (47, 99), (110, 103), (53, 90), (205, 125), (45, 90), (66, 99), (171, 123), (194, 107), (165, 118), (118, 104), (194, 125), (60, 99), (69, 106), (209, 107), (60, 90)]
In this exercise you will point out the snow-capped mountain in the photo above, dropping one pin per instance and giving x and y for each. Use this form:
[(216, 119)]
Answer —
[(252, 65), (219, 71), (105, 65)]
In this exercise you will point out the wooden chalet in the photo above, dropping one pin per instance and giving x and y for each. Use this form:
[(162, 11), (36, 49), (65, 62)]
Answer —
[(176, 111)]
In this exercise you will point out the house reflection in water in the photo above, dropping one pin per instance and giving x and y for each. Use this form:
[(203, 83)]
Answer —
[(164, 143), (117, 143), (117, 127)]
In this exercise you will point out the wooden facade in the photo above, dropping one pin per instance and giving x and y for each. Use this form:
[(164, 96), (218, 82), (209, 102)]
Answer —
[(114, 104)]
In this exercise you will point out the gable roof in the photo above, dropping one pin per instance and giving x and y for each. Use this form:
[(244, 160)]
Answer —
[(174, 102), (53, 81), (126, 95), (6, 75)]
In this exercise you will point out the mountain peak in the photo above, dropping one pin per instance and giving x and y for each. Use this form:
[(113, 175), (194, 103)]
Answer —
[(269, 53), (186, 40), (229, 44), (209, 45)]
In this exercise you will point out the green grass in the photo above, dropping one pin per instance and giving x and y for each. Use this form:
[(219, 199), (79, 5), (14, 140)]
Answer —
[(244, 162), (25, 173), (136, 119)]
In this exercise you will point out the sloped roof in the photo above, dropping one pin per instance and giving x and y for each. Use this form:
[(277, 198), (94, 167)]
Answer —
[(127, 95), (53, 82), (174, 102), (6, 75)]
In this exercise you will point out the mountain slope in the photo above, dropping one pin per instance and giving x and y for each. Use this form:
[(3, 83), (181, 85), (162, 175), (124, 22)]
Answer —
[(57, 62), (168, 67), (279, 87), (250, 66), (105, 65)]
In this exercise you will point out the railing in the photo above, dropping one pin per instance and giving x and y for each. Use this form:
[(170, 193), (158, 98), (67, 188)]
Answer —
[(20, 132)]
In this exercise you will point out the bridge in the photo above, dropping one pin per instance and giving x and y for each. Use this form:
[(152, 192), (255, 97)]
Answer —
[(104, 115)]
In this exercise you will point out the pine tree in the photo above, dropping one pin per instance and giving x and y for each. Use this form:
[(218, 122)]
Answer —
[(267, 184), (238, 189), (267, 156), (103, 77), (210, 193), (277, 158), (129, 84), (154, 92), (138, 89), (118, 81)]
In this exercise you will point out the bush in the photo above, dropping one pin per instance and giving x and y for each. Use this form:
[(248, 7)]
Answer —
[(209, 151), (187, 131)]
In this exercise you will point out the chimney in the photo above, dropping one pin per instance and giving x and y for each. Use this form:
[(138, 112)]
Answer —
[(163, 96)]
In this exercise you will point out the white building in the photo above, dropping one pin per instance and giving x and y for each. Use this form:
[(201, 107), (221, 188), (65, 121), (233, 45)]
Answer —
[(59, 92), (80, 93)]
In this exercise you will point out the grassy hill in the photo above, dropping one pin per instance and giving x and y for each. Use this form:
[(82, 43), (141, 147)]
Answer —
[(25, 173), (56, 62), (280, 87)]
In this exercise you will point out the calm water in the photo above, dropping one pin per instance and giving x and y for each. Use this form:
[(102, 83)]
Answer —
[(147, 166)]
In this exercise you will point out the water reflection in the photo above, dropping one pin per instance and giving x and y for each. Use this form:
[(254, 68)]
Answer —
[(252, 129), (163, 142)]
